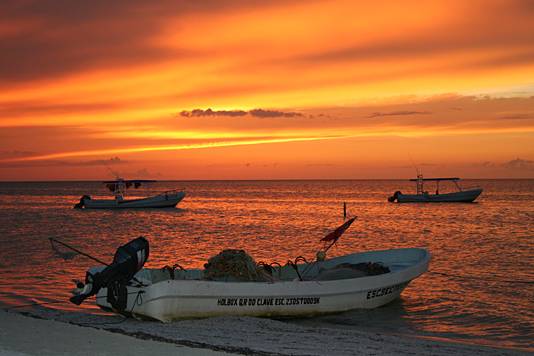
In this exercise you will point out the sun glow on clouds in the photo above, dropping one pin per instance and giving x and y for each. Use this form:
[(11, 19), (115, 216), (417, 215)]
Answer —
[(108, 80), (192, 146)]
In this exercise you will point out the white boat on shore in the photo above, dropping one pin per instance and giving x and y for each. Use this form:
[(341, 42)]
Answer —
[(422, 196), (360, 280), (118, 187), (327, 287)]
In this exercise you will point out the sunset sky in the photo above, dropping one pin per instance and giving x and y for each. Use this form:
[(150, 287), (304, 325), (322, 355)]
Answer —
[(266, 89)]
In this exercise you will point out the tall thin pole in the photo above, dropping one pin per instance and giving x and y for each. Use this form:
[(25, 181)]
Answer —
[(78, 251)]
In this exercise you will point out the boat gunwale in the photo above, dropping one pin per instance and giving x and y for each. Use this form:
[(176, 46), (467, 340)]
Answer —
[(423, 260), (184, 294), (465, 191), (171, 201)]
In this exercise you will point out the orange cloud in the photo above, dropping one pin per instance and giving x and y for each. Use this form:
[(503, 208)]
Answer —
[(192, 146)]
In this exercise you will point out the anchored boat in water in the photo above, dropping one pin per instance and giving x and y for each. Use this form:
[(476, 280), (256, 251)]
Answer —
[(118, 187), (233, 284), (422, 196)]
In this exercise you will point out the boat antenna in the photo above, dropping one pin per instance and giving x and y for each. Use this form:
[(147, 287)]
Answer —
[(344, 211), (114, 173), (419, 184), (413, 165)]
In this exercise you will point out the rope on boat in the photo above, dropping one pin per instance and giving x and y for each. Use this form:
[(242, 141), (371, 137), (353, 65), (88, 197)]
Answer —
[(138, 301), (234, 265), (295, 267), (480, 278), (270, 267)]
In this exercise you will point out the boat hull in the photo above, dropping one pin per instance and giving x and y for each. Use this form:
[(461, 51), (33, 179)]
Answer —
[(159, 201), (464, 196), (177, 299)]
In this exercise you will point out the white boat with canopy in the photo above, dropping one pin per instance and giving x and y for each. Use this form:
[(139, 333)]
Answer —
[(423, 196), (118, 187), (233, 284)]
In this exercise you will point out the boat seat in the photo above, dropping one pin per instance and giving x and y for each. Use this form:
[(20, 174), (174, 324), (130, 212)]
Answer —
[(339, 273), (351, 270)]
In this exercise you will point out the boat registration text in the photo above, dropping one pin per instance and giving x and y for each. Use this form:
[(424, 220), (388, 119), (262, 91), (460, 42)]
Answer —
[(242, 302), (380, 292)]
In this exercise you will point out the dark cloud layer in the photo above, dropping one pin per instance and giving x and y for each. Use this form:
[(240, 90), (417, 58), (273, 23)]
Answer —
[(517, 164), (209, 112), (46, 39), (260, 113), (59, 163), (15, 154), (430, 45), (520, 116), (398, 113), (479, 32), (26, 108), (520, 164), (66, 36), (273, 113)]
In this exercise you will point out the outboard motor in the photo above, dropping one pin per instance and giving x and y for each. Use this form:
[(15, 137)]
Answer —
[(81, 204), (128, 260), (392, 198)]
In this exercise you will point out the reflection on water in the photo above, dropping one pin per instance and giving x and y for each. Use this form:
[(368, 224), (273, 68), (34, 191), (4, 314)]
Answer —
[(488, 241)]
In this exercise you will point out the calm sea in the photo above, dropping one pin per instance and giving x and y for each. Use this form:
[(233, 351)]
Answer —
[(475, 293)]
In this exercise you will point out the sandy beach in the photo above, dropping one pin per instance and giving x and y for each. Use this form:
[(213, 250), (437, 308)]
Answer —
[(25, 335), (22, 335)]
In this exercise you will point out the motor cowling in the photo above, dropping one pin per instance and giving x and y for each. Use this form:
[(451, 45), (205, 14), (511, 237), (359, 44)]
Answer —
[(128, 260), (81, 204), (394, 197)]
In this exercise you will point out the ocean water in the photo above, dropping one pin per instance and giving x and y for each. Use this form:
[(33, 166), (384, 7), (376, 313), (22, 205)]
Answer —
[(480, 288)]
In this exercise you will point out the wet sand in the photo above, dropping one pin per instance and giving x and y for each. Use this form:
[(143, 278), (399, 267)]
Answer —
[(23, 335)]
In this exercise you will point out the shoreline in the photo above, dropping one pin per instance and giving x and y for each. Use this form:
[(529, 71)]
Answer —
[(78, 334)]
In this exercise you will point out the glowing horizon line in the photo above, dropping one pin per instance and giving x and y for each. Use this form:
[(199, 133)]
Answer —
[(335, 135), (164, 148)]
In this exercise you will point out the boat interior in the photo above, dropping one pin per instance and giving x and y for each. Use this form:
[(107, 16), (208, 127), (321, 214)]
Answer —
[(345, 267)]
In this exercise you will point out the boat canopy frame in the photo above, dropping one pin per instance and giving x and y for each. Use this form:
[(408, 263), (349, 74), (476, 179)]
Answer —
[(420, 183), (119, 185)]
